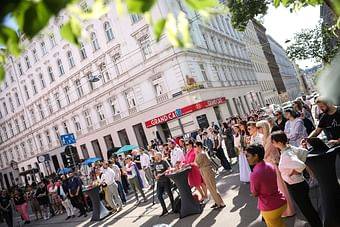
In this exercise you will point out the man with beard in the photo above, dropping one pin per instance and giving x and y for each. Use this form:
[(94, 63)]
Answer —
[(329, 122)]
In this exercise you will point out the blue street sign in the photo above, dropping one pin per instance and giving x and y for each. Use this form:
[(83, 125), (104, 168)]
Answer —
[(68, 139), (178, 112)]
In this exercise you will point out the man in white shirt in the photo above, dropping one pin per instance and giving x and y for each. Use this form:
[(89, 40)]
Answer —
[(108, 181), (176, 155), (145, 163), (291, 166)]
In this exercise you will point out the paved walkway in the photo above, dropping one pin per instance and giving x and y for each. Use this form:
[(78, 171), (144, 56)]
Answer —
[(240, 211)]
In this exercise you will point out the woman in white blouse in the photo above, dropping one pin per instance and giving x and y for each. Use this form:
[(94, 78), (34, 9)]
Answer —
[(291, 166), (243, 163), (255, 136)]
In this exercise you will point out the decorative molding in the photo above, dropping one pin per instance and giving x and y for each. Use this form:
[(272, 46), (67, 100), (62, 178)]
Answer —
[(143, 32)]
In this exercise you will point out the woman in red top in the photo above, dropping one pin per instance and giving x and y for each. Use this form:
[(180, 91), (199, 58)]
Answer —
[(263, 185), (194, 176)]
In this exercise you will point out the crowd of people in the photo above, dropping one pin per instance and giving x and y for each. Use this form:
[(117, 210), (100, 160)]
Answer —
[(270, 148)]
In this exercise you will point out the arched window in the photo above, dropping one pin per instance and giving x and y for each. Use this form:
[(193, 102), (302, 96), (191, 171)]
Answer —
[(82, 51), (108, 31), (70, 59), (94, 41)]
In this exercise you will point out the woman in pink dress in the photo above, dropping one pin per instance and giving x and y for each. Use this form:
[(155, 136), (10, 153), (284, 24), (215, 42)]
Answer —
[(194, 176), (272, 156)]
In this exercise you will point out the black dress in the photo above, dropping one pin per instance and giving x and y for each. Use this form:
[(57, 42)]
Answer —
[(229, 142), (43, 200), (8, 215)]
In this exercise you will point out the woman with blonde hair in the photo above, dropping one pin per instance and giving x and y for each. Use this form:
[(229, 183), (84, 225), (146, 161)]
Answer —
[(272, 156)]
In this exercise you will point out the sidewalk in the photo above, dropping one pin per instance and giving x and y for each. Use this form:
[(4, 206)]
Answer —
[(240, 211)]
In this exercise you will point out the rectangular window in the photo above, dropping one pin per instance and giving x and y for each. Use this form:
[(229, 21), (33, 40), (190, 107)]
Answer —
[(57, 100), (26, 92), (52, 40), (130, 99), (17, 126), (56, 133), (4, 129), (216, 72), (11, 104), (100, 112), (34, 88), (145, 46), (49, 105), (41, 111), (32, 115), (65, 127), (61, 67), (11, 130), (67, 94), (23, 121), (76, 123), (204, 74), (82, 51), (113, 105), (80, 91), (95, 43), (30, 145), (5, 108), (48, 137), (205, 41), (40, 140), (50, 73), (103, 71), (135, 18), (24, 151), (89, 77), (43, 48), (87, 116), (27, 61), (42, 81), (70, 59), (20, 69), (35, 55)]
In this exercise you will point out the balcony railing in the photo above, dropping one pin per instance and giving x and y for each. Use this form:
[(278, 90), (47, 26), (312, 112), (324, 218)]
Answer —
[(89, 128), (132, 110), (162, 98), (116, 117), (102, 123)]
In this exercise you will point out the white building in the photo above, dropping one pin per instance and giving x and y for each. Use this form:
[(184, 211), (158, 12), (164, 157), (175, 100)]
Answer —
[(260, 64), (287, 69), (147, 89)]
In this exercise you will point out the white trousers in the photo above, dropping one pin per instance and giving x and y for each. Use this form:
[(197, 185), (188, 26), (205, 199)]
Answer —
[(68, 207)]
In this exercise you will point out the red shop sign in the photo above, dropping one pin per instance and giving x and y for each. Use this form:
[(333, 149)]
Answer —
[(183, 111)]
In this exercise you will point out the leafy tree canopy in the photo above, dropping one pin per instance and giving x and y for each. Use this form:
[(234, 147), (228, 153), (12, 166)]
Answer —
[(31, 16), (318, 43)]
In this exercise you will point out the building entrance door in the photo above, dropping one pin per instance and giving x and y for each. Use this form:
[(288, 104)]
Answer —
[(96, 149), (164, 131), (218, 114), (140, 135), (55, 163), (123, 137), (6, 181)]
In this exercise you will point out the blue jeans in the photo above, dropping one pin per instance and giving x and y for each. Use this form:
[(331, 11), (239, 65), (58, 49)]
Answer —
[(121, 191)]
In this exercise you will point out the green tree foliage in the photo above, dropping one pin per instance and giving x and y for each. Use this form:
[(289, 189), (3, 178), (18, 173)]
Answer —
[(318, 43), (31, 16)]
